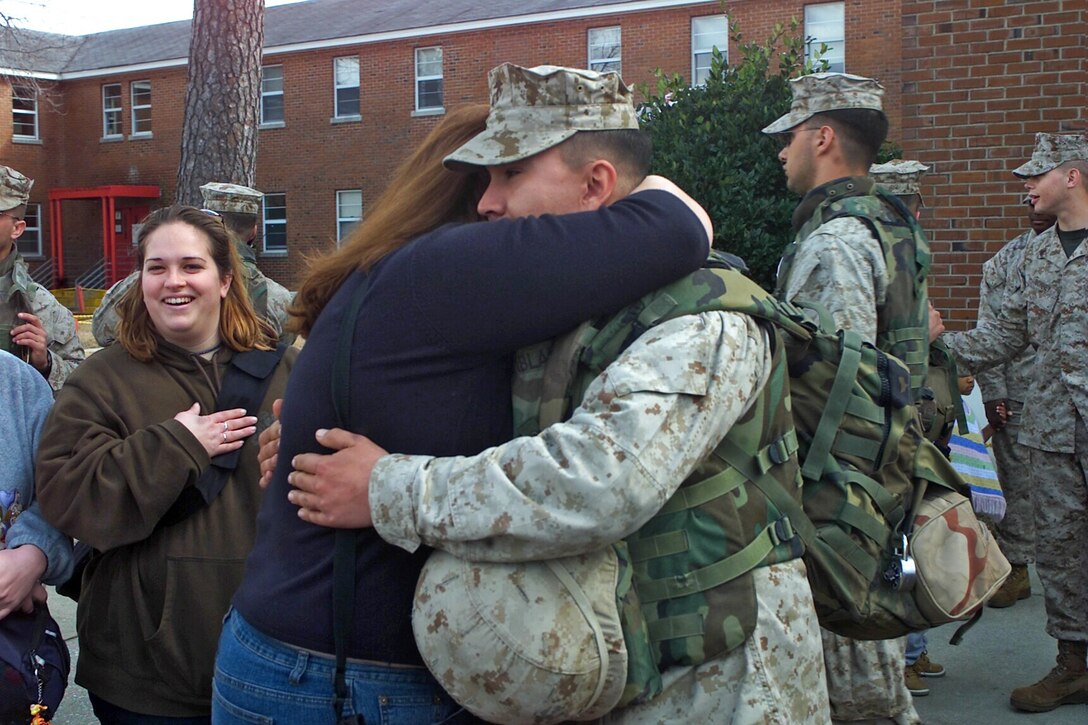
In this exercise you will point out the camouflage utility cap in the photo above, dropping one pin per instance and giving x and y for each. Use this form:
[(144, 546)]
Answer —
[(820, 92), (533, 109), (14, 188), (1053, 150), (231, 198), (899, 177)]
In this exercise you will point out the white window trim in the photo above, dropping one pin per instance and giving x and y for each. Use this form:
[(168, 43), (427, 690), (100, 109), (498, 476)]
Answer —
[(618, 59), (119, 112), (134, 107), (266, 222), (336, 115), (699, 50), (430, 110), (817, 41), (280, 93), (38, 229), (340, 218), (32, 112)]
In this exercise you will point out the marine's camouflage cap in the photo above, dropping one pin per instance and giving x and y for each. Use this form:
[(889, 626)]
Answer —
[(899, 176), (1052, 150), (231, 198), (820, 92), (533, 109), (14, 188)]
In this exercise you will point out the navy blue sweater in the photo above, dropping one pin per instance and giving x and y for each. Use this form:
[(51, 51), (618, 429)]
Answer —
[(431, 371)]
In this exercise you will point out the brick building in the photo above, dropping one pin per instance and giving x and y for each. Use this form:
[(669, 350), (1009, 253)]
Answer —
[(349, 86)]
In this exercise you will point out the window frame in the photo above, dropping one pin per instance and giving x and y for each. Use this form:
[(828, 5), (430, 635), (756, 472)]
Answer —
[(117, 114), (337, 87), (36, 230), (699, 50), (341, 218), (136, 131), (280, 224), (440, 77), (836, 45), (602, 62), (264, 123), (32, 112)]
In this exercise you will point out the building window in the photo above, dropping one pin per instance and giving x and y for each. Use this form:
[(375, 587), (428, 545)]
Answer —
[(825, 26), (707, 33), (30, 241), (349, 210), (428, 79), (346, 86), (604, 49), (24, 111), (275, 223), (272, 95), (141, 108), (111, 110)]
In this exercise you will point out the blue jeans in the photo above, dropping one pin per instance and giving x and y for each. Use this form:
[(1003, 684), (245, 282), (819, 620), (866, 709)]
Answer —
[(262, 680), (916, 645)]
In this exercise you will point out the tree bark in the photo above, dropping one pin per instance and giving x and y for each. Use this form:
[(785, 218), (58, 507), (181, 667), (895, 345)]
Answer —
[(222, 97)]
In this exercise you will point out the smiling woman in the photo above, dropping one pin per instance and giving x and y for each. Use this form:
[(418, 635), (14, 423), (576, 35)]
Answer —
[(150, 459)]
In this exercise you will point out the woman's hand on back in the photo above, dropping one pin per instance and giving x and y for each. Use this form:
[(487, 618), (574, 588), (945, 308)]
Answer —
[(220, 432)]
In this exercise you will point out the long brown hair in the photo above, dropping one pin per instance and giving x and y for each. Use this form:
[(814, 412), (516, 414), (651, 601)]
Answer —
[(239, 326), (421, 196)]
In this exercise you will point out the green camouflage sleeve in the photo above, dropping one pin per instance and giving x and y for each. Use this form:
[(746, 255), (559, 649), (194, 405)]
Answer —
[(841, 267), (104, 322), (995, 340), (992, 382), (642, 427), (65, 351)]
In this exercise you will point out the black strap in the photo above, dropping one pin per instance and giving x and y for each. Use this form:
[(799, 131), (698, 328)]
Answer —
[(244, 386), (343, 560)]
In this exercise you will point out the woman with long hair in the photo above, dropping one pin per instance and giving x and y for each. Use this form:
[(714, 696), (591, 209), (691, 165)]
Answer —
[(148, 456), (444, 305)]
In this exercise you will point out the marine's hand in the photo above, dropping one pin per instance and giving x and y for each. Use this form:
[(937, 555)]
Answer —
[(20, 569), (270, 446), (32, 335), (936, 324), (997, 413), (220, 432), (333, 490)]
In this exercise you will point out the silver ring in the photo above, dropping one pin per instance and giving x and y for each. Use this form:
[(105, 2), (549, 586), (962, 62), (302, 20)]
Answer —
[(224, 436), (225, 427)]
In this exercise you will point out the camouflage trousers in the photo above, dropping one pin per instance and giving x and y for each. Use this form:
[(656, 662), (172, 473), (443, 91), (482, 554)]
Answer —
[(776, 677), (1015, 532), (865, 680), (1061, 536)]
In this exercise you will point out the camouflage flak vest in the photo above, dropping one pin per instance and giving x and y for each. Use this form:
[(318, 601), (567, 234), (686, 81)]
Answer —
[(692, 562), (903, 319)]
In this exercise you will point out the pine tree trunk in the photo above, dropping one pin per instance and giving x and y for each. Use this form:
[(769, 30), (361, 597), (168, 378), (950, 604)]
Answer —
[(222, 111)]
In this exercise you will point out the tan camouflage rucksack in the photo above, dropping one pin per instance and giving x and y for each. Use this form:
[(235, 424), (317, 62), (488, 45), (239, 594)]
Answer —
[(853, 434)]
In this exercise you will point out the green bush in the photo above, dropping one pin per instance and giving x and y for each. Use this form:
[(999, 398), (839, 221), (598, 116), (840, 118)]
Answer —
[(707, 139)]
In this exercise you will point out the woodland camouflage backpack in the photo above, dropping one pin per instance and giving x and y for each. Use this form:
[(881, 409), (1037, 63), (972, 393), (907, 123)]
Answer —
[(853, 434)]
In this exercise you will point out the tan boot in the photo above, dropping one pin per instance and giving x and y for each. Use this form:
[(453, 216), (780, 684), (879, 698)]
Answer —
[(1067, 683), (914, 682), (1015, 588)]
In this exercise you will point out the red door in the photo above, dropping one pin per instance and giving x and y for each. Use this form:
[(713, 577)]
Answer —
[(127, 221)]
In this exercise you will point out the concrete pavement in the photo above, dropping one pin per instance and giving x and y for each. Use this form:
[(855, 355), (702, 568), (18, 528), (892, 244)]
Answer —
[(1008, 648)]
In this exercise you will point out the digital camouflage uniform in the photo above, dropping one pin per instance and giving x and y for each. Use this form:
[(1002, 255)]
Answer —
[(1049, 311), (842, 266), (647, 421), (269, 298), (1001, 275), (20, 293), (643, 426)]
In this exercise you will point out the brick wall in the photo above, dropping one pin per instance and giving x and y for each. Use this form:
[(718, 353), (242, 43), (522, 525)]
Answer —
[(983, 77), (967, 84)]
